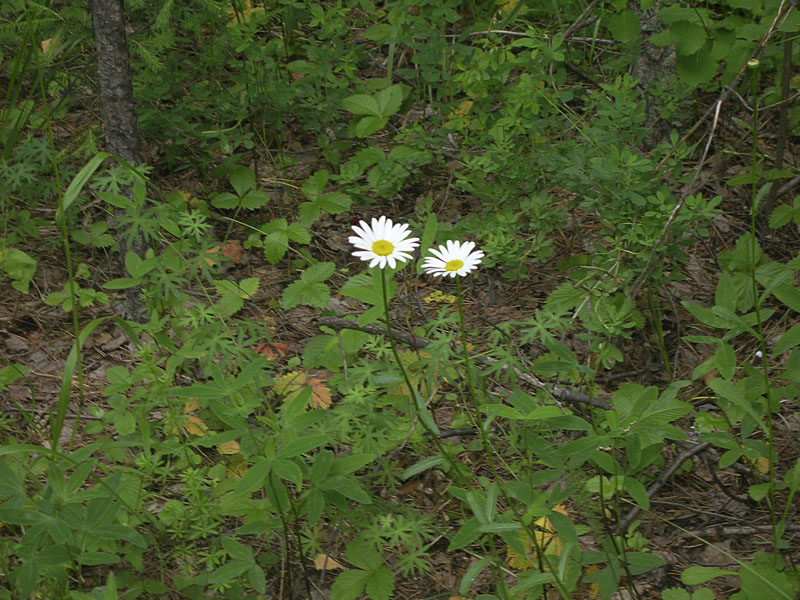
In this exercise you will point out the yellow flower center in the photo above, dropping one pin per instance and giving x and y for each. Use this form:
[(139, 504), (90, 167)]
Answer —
[(454, 265), (383, 248)]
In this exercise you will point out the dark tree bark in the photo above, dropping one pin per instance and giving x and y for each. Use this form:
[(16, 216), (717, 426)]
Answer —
[(119, 114), (655, 64)]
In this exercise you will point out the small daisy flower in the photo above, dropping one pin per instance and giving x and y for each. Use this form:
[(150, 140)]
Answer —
[(383, 242), (456, 258)]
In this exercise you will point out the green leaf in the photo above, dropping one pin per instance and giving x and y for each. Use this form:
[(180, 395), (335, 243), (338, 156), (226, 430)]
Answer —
[(236, 550), (225, 200), (288, 470), (318, 272), (315, 294), (422, 466), (117, 531), (302, 445), (379, 584), (705, 315), (688, 37), (298, 233), (638, 492), (698, 68), (76, 185), (335, 202), (254, 199), (18, 266), (469, 532), (124, 422), (254, 476), (242, 179), (122, 283), (361, 104), (624, 26), (369, 125), (788, 340), (348, 585), (472, 573), (347, 488), (698, 575), (229, 571), (725, 359), (389, 100), (314, 187), (781, 216)]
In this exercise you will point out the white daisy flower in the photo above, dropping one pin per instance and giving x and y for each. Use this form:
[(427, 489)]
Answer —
[(383, 242), (456, 258)]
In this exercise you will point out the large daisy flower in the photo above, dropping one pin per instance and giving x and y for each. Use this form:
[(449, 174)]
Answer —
[(455, 258), (383, 242)]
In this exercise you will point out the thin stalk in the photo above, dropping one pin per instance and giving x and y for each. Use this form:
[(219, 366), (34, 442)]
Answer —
[(412, 390), (753, 65)]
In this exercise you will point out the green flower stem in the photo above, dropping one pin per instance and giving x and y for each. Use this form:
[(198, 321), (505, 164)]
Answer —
[(462, 481)]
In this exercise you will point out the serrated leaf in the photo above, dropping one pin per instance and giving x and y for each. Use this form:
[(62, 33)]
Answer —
[(335, 202), (254, 199), (781, 216), (369, 125), (318, 272), (298, 233), (242, 179), (308, 212), (275, 246), (379, 584), (361, 104), (348, 585), (314, 186), (389, 100)]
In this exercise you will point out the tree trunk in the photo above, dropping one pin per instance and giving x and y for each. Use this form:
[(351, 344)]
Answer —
[(119, 115), (655, 64)]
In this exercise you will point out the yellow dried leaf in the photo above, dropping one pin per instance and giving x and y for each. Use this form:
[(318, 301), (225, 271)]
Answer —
[(210, 262), (190, 405), (762, 464), (231, 447), (290, 384), (546, 538), (195, 426), (323, 561), (46, 45)]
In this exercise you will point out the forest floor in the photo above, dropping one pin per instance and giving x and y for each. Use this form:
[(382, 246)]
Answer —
[(698, 501)]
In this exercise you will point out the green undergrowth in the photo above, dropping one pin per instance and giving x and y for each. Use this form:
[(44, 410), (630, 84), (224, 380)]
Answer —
[(218, 464)]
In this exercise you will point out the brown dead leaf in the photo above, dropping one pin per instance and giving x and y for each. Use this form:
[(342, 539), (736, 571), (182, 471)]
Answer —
[(272, 350), (233, 250), (320, 394), (323, 561)]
